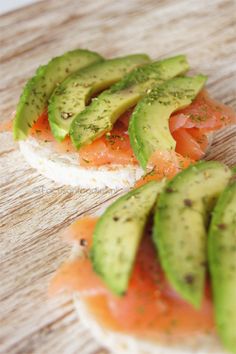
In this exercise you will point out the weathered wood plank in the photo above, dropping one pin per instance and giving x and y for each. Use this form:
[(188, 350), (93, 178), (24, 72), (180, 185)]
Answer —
[(33, 210)]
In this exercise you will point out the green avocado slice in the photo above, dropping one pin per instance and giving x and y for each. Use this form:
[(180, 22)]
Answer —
[(100, 116), (72, 95), (222, 263), (118, 234), (149, 124), (38, 89), (180, 226)]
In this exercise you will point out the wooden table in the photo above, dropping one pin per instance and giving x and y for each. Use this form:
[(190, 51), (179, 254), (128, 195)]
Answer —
[(33, 209)]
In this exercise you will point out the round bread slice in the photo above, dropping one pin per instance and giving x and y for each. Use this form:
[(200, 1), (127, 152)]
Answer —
[(64, 168)]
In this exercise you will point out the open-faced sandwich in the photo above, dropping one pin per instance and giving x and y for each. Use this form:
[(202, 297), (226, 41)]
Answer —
[(156, 272), (86, 121)]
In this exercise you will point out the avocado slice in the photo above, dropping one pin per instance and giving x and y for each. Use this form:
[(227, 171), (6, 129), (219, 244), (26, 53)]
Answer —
[(72, 95), (118, 234), (100, 116), (180, 226), (222, 263), (149, 124), (35, 95)]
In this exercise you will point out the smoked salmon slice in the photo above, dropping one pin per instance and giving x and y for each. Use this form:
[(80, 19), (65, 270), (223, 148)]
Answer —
[(150, 306), (188, 126)]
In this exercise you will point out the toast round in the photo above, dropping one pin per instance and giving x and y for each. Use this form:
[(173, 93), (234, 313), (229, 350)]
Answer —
[(64, 168)]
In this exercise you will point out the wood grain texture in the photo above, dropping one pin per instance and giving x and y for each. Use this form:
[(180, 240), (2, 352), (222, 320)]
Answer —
[(33, 210)]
